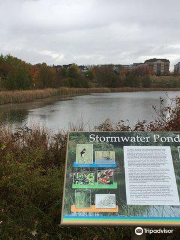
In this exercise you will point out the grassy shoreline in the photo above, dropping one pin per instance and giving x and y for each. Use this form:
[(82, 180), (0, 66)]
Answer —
[(31, 95)]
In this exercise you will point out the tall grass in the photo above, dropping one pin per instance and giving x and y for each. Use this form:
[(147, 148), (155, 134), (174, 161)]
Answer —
[(25, 95), (30, 95), (132, 89), (68, 91)]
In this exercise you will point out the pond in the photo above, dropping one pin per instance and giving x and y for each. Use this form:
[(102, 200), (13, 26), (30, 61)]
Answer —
[(58, 112)]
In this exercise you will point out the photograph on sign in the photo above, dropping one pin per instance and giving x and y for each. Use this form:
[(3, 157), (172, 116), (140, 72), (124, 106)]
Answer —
[(84, 154), (83, 178), (105, 177), (105, 201), (104, 157), (83, 198)]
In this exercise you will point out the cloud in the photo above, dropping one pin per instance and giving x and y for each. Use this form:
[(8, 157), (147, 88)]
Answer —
[(90, 32)]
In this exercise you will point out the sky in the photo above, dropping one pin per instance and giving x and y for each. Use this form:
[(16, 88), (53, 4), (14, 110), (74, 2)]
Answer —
[(90, 31)]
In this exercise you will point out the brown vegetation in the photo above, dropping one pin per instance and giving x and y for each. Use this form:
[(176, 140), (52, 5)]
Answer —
[(30, 95), (25, 95)]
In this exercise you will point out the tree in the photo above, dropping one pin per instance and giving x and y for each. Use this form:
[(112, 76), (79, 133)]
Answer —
[(34, 71), (89, 74), (132, 81), (63, 72), (45, 76), (124, 71), (106, 77), (73, 71), (146, 81), (18, 77), (80, 82), (5, 68)]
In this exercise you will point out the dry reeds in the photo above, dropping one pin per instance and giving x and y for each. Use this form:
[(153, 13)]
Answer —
[(25, 95), (30, 95)]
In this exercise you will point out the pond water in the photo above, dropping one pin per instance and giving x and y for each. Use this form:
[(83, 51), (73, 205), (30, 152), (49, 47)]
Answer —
[(58, 112)]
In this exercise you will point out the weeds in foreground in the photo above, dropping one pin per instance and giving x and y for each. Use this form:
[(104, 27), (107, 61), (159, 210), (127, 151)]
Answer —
[(31, 180)]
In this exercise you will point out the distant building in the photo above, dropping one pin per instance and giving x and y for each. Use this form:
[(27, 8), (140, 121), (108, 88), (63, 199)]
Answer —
[(67, 66), (128, 67), (83, 68), (177, 68), (58, 68), (135, 65), (105, 65), (159, 66), (131, 66), (123, 69)]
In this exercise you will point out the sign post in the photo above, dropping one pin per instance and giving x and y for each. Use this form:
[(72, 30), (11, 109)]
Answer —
[(122, 178)]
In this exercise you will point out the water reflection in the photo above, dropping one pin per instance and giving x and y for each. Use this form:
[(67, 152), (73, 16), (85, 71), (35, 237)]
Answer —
[(57, 112), (13, 116)]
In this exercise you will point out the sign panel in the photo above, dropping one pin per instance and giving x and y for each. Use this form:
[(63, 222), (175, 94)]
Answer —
[(149, 175), (122, 178)]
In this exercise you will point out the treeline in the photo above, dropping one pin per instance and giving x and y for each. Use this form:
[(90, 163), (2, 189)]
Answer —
[(16, 74), (107, 76)]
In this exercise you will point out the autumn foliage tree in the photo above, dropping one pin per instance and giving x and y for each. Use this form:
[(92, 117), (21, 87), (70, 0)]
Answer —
[(124, 71), (72, 77), (141, 70), (14, 73), (34, 71), (106, 77), (73, 71)]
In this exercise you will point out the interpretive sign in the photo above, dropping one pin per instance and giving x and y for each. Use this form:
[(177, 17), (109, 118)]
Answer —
[(122, 178)]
